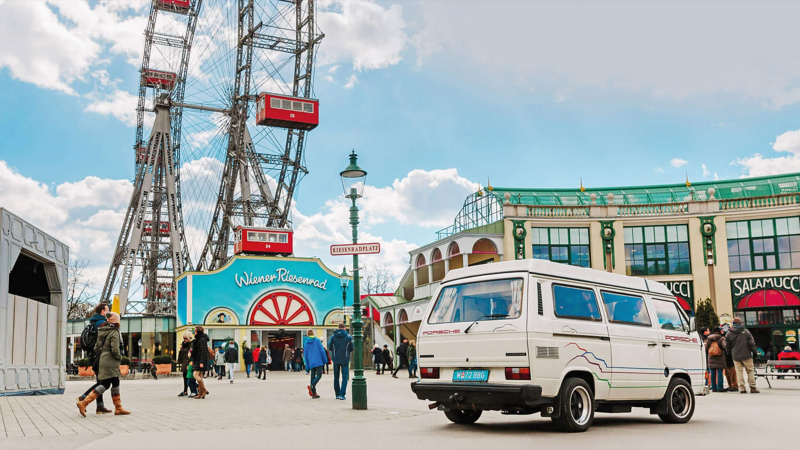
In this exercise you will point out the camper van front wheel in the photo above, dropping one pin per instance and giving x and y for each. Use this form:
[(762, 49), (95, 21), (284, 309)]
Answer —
[(577, 406), (679, 401), (462, 416)]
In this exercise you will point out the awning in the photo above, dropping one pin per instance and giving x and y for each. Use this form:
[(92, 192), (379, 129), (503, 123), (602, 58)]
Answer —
[(768, 298), (684, 303)]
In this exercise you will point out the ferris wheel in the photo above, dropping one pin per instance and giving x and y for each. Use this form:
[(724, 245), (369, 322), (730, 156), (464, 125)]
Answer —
[(225, 104)]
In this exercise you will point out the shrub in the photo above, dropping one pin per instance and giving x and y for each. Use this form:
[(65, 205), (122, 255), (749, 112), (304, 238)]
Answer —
[(125, 361), (705, 315), (84, 362), (162, 359)]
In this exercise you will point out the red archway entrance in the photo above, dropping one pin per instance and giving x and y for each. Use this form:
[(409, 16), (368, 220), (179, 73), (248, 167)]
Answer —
[(281, 308)]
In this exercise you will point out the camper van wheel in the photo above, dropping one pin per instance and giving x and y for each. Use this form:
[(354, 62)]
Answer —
[(679, 401), (461, 416), (576, 401)]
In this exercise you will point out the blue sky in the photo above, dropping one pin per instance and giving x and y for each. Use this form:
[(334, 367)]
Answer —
[(435, 97)]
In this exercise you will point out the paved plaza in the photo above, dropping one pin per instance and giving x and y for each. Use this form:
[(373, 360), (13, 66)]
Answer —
[(278, 413)]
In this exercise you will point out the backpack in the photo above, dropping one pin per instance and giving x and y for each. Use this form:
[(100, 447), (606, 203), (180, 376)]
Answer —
[(89, 338), (714, 349)]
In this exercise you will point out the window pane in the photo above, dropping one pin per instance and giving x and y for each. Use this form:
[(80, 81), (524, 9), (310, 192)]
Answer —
[(744, 247), (755, 228), (543, 236), (649, 235), (655, 251), (744, 264), (560, 254), (573, 236), (781, 227), (730, 227), (795, 243), (742, 230), (794, 225), (766, 227), (628, 235), (554, 236), (733, 248), (637, 235), (769, 245), (683, 233), (563, 234), (297, 106), (274, 103), (534, 236), (758, 245), (659, 234), (785, 260), (584, 236), (540, 252), (758, 262), (308, 107), (286, 104), (475, 301), (783, 244), (284, 238), (770, 260), (575, 303), (668, 316), (672, 234), (626, 308), (796, 260), (683, 250), (733, 262)]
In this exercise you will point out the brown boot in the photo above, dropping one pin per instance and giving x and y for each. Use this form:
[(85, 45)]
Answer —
[(85, 402), (102, 410), (118, 411)]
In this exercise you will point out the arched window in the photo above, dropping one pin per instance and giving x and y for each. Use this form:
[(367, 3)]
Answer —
[(436, 256), (420, 261), (484, 246), (388, 320), (402, 317), (454, 250)]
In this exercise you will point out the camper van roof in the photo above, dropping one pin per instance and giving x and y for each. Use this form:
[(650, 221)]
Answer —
[(548, 268)]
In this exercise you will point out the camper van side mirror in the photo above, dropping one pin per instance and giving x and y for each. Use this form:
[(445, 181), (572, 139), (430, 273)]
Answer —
[(692, 325)]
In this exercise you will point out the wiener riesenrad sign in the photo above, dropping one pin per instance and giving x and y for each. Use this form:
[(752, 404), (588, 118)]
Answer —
[(355, 249)]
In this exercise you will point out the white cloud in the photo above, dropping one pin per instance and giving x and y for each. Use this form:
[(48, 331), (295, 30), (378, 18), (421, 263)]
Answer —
[(706, 173), (120, 104), (659, 170), (716, 177), (741, 50), (677, 162), (351, 82), (759, 165), (361, 31), (333, 69)]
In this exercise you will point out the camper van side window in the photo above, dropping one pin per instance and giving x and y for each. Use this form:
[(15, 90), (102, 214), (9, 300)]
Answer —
[(575, 303), (669, 318), (627, 309)]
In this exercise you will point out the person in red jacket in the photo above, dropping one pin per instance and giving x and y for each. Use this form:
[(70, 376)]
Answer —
[(256, 351), (790, 355)]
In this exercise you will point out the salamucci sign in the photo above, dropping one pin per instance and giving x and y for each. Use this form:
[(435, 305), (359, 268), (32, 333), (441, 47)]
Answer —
[(355, 249), (744, 286)]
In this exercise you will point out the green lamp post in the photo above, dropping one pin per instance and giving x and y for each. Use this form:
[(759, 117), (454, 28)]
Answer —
[(345, 280), (353, 180)]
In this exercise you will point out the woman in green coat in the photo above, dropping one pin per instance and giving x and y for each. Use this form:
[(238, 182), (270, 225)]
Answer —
[(108, 369)]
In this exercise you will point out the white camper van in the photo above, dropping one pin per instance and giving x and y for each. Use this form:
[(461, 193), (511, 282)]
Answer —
[(532, 336)]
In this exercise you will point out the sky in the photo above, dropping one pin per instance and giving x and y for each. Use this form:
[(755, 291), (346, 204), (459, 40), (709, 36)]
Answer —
[(436, 97)]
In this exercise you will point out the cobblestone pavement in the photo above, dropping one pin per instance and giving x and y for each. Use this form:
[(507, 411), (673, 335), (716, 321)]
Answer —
[(278, 413)]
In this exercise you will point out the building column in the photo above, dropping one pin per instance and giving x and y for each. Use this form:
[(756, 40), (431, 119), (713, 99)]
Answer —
[(430, 273), (446, 265), (416, 283), (465, 257)]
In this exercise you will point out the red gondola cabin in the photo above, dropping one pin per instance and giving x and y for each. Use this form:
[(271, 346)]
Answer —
[(159, 79), (287, 112), (163, 228), (266, 241), (176, 6)]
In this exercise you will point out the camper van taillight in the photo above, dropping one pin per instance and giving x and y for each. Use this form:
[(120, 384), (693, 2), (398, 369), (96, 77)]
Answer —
[(431, 372), (518, 373)]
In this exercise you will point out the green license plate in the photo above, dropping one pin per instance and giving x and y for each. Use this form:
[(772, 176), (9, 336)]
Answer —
[(471, 375)]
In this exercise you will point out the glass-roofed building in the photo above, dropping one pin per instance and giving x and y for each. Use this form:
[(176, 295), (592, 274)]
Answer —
[(735, 242)]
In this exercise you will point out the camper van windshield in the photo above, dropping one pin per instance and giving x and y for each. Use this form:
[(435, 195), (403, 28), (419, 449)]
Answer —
[(484, 300)]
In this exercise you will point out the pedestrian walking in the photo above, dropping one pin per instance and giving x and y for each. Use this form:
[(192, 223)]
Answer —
[(386, 358), (189, 377), (715, 354), (377, 357), (730, 368), (256, 354), (340, 346), (231, 357), (97, 320), (263, 362), (314, 356), (787, 355), (183, 361), (201, 354), (247, 355), (412, 359), (219, 361), (402, 357), (742, 346), (327, 366), (153, 371), (298, 358), (287, 358), (107, 347)]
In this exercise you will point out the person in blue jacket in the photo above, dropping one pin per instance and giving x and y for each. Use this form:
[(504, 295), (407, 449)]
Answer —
[(314, 359), (340, 346)]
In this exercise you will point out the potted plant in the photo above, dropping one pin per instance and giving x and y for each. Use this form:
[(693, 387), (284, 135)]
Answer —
[(85, 368), (124, 366), (163, 364)]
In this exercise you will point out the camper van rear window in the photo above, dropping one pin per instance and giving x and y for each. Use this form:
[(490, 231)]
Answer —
[(482, 300)]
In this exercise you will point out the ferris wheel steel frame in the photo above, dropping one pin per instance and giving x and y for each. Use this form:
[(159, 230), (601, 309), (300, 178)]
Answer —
[(161, 255)]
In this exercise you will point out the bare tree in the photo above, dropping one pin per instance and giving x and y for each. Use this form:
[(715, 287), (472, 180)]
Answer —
[(377, 280), (80, 296)]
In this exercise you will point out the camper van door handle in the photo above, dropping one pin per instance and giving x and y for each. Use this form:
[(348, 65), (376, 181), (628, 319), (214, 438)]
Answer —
[(665, 345), (652, 344)]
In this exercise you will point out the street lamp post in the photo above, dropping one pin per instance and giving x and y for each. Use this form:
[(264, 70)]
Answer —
[(353, 180), (345, 281)]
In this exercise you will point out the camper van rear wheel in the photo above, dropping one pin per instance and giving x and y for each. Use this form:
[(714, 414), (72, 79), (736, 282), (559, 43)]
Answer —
[(576, 402), (462, 416), (679, 401)]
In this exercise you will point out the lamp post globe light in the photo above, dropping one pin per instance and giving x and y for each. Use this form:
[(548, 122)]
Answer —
[(345, 281), (353, 180)]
